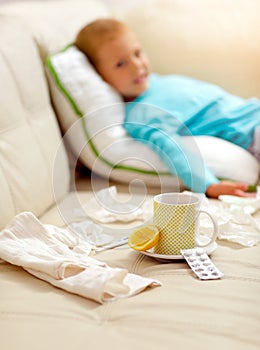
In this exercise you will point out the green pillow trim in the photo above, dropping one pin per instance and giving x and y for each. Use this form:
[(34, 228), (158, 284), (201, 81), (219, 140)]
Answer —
[(79, 113)]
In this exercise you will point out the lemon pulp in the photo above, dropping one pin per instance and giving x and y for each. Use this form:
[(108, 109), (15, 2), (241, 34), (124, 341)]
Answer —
[(144, 237)]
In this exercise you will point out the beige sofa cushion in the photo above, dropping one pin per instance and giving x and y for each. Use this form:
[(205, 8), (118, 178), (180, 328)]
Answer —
[(186, 312), (56, 24), (30, 136)]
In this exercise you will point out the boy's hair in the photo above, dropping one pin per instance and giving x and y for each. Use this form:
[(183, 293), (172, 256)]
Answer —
[(91, 37)]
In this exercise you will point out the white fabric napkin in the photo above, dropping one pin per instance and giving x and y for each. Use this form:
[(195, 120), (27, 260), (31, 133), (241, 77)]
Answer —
[(61, 258)]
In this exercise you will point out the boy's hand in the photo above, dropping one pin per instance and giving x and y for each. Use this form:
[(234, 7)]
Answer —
[(229, 187)]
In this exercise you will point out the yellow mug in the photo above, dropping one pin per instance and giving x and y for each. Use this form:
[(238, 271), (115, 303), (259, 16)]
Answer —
[(175, 215)]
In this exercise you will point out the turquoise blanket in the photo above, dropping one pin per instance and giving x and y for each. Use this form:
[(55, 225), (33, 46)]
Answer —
[(175, 106)]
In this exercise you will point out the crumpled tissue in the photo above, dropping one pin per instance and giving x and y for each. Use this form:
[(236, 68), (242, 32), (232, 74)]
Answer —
[(90, 232), (237, 218), (106, 207)]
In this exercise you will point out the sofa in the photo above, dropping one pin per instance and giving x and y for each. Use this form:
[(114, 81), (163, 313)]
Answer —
[(216, 42)]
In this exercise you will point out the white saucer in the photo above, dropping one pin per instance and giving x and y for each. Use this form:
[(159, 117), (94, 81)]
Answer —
[(167, 258)]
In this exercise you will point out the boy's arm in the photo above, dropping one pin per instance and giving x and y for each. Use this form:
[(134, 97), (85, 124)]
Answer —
[(229, 187)]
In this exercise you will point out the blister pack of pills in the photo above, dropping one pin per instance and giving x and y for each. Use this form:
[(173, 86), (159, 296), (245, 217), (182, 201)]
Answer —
[(201, 264)]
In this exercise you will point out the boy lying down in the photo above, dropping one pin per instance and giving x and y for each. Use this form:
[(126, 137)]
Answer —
[(162, 109)]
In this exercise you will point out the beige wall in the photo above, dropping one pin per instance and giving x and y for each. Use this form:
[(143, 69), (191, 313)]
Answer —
[(112, 3)]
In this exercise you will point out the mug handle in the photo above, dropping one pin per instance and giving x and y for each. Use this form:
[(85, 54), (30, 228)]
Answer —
[(215, 230)]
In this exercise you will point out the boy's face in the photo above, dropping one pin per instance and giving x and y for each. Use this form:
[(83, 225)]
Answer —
[(122, 63)]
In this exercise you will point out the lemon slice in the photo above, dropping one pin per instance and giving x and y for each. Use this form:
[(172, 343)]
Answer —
[(144, 237)]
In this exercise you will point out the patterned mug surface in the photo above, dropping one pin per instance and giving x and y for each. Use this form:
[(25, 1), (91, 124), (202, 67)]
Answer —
[(175, 215)]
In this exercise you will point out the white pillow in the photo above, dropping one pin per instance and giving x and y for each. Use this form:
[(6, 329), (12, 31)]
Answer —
[(91, 114)]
